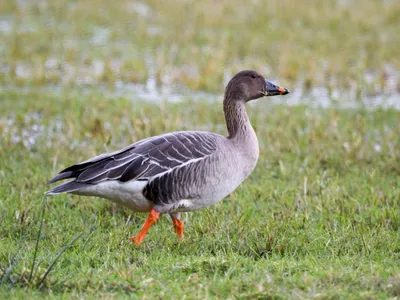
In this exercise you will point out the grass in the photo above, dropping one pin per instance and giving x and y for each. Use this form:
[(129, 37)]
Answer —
[(199, 44), (318, 218)]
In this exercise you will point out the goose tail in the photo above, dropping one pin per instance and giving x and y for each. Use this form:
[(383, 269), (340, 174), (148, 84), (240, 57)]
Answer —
[(67, 187)]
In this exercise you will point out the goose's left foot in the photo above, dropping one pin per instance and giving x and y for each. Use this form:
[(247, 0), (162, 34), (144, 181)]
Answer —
[(151, 219)]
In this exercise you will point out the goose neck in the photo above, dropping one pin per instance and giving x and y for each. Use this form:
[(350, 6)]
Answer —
[(237, 121)]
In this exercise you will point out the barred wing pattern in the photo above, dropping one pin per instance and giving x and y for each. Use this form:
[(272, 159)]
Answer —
[(150, 159)]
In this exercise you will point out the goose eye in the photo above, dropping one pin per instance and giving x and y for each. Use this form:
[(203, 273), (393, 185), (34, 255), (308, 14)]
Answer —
[(253, 76)]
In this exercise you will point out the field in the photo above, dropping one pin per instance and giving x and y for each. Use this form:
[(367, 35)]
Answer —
[(318, 218)]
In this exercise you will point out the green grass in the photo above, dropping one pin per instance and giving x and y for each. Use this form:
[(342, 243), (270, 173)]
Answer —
[(318, 218)]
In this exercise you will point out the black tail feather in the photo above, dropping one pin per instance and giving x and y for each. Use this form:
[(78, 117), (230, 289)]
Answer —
[(61, 176), (67, 187)]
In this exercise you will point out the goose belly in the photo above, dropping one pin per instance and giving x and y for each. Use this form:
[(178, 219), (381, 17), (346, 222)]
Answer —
[(128, 194)]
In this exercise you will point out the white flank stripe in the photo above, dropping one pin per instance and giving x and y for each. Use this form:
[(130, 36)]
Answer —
[(193, 160)]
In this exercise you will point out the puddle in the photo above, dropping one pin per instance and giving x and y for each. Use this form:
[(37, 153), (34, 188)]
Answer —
[(374, 89), (5, 25), (321, 97), (32, 132), (100, 36), (88, 70), (140, 8)]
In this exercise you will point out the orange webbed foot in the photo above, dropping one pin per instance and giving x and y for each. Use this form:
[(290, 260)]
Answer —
[(178, 226), (151, 219), (137, 240)]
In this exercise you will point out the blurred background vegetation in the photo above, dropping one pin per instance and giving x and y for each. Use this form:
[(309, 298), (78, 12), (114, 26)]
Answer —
[(334, 44)]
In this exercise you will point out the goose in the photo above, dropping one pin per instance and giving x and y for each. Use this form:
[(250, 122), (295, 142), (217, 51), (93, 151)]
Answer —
[(179, 171)]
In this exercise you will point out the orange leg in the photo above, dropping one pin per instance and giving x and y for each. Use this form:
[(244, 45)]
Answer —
[(178, 226), (151, 219)]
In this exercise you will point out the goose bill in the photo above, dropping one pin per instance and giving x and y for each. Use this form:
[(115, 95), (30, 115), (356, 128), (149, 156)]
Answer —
[(272, 89)]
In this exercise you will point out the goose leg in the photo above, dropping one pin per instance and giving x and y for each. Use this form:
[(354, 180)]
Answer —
[(151, 219), (178, 224)]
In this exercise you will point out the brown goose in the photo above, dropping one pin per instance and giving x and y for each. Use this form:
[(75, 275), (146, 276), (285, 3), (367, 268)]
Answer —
[(179, 171)]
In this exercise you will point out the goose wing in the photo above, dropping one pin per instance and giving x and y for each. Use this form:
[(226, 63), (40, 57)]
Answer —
[(143, 160)]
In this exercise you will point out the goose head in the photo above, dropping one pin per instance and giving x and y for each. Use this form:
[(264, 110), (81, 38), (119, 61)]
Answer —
[(249, 85)]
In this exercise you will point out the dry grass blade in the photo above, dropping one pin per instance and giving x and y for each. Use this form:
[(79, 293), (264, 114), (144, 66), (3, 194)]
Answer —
[(57, 257), (38, 239)]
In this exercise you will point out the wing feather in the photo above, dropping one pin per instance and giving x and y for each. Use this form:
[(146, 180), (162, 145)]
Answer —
[(143, 160)]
